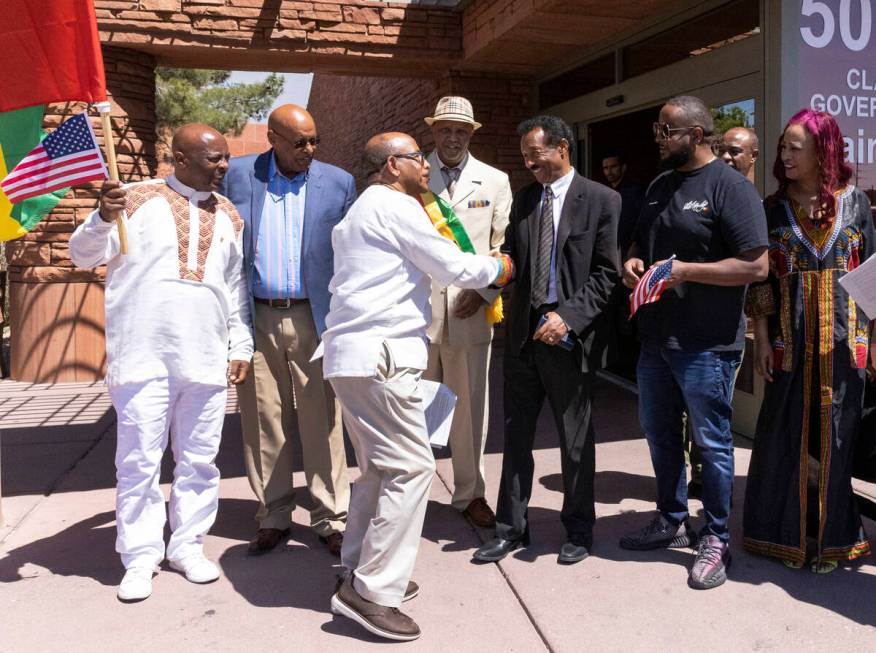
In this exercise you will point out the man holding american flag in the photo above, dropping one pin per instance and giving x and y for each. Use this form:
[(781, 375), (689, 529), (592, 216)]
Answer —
[(702, 237)]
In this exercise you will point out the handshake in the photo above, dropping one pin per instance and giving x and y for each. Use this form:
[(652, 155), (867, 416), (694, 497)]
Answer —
[(506, 270)]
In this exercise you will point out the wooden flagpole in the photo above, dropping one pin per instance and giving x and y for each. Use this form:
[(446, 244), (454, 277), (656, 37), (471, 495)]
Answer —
[(110, 147)]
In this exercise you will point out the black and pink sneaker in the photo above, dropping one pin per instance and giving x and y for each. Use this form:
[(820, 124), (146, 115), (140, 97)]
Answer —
[(710, 567)]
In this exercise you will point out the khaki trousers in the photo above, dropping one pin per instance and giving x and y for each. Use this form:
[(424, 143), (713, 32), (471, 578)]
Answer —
[(386, 423), (465, 371), (285, 340)]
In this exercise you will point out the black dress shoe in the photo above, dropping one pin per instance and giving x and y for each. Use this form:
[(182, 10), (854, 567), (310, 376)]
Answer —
[(498, 548), (571, 552)]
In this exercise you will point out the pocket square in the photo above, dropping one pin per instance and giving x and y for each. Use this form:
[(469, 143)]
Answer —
[(478, 204)]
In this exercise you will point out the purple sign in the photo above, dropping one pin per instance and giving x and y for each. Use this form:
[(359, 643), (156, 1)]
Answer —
[(837, 64)]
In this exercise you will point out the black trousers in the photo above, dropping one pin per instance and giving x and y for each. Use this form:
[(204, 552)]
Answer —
[(547, 371)]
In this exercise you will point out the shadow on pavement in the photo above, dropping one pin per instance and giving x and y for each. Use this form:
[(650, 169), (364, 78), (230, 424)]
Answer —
[(83, 549), (610, 486)]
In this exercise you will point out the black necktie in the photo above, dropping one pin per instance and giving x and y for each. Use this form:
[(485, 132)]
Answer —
[(541, 277)]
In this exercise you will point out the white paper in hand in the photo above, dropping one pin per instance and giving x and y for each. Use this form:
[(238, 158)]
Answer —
[(440, 403), (860, 283)]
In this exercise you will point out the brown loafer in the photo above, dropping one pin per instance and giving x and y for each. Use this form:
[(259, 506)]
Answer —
[(334, 543), (266, 539), (480, 514), (380, 620)]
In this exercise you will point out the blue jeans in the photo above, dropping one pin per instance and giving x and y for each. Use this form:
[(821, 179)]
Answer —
[(671, 381)]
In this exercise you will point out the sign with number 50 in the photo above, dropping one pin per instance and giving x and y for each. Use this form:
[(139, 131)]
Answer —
[(855, 35)]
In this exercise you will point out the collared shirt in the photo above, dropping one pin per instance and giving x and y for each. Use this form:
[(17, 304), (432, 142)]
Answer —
[(386, 250), (559, 188), (444, 169), (278, 251)]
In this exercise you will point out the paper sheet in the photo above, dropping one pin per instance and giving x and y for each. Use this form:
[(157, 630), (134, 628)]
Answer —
[(860, 283), (440, 404)]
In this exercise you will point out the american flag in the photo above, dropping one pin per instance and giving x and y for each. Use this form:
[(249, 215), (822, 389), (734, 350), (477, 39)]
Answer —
[(68, 156), (650, 285)]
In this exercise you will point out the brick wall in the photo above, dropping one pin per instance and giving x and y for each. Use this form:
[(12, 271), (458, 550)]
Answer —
[(343, 36), (349, 110), (43, 254), (252, 140)]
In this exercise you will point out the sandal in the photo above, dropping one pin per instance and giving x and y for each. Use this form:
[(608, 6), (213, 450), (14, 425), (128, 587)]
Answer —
[(823, 566), (793, 564)]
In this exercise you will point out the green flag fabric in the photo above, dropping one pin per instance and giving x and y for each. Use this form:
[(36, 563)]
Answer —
[(20, 132)]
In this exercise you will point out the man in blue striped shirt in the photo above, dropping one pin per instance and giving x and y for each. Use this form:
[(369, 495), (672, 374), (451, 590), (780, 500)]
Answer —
[(290, 204)]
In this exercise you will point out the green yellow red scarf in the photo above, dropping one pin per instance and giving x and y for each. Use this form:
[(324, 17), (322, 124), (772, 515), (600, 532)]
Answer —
[(448, 225)]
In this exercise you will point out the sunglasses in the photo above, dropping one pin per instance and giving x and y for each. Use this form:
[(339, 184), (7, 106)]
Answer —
[(301, 143), (664, 132)]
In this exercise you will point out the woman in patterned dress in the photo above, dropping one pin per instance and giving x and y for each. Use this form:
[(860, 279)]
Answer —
[(811, 346)]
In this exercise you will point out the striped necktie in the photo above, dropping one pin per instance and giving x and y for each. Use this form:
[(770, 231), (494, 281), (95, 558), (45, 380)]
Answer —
[(451, 174), (542, 274)]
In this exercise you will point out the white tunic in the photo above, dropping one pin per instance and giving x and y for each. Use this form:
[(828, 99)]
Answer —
[(176, 304), (386, 249)]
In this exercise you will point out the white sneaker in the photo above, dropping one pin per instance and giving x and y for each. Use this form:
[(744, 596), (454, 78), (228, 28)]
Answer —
[(136, 585), (197, 568)]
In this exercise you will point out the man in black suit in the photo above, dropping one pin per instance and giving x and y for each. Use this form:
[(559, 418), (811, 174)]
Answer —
[(562, 236)]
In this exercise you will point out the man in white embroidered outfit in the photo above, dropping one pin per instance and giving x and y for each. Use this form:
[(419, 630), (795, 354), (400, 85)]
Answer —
[(177, 312), (386, 250)]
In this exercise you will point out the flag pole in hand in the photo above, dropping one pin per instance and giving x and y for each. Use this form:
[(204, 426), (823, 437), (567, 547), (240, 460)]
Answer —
[(110, 147)]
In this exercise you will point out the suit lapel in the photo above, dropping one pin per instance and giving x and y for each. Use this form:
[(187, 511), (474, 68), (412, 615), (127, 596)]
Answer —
[(574, 195), (259, 188), (468, 183), (436, 179), (312, 197)]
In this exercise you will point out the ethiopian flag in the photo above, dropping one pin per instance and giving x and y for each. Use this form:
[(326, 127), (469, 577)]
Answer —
[(20, 132), (448, 225)]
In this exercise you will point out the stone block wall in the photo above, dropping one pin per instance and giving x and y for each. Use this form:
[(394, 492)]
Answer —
[(349, 110), (56, 309), (343, 35), (42, 255)]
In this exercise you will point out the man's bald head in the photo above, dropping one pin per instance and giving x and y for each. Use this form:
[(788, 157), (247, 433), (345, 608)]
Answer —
[(189, 138), (739, 149), (292, 134), (380, 147), (394, 159), (200, 156)]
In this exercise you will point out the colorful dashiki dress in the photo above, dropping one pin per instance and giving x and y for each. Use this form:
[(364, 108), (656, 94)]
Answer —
[(813, 406)]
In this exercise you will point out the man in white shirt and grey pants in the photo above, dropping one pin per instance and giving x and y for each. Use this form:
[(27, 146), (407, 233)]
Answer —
[(386, 254)]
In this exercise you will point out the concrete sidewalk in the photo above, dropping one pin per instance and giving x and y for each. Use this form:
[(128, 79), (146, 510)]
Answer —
[(58, 570)]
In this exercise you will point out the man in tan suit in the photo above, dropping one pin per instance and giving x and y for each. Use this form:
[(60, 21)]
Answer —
[(460, 336)]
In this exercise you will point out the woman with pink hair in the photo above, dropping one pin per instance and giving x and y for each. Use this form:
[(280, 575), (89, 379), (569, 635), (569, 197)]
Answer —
[(812, 347)]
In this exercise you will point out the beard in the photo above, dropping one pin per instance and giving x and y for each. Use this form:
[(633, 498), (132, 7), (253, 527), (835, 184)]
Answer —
[(677, 159)]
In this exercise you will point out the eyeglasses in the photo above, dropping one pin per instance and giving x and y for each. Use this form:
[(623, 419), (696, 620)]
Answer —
[(664, 132), (719, 148), (301, 143), (419, 157)]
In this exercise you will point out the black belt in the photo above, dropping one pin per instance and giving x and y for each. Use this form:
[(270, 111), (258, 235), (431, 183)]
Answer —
[(280, 303)]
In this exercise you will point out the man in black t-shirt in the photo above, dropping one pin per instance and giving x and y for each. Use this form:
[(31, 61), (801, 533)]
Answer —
[(711, 219)]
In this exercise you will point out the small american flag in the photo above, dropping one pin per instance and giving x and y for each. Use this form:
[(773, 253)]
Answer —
[(68, 156), (650, 285)]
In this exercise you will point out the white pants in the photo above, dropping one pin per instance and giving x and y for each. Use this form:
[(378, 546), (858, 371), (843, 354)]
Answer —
[(385, 420), (146, 413)]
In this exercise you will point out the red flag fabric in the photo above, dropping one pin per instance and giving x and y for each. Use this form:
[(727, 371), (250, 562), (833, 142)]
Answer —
[(50, 53)]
